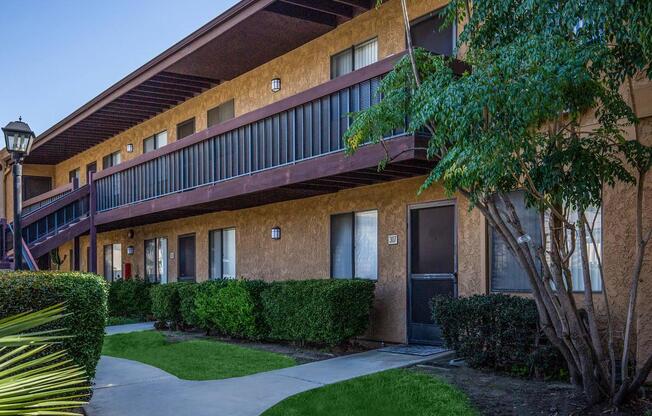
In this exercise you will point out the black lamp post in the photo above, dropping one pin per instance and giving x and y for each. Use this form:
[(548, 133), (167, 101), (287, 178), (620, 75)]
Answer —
[(18, 139)]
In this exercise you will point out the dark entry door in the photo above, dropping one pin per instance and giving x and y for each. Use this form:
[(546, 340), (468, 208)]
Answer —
[(432, 267), (186, 258)]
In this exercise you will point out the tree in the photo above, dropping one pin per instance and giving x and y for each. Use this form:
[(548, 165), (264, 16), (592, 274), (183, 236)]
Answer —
[(541, 72)]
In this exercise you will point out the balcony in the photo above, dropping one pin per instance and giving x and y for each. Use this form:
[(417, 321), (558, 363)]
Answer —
[(290, 149)]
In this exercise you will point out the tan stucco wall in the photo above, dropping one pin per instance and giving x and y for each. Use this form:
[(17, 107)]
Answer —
[(304, 249), (300, 69)]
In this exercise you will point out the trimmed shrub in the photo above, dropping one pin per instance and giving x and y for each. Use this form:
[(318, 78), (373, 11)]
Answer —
[(318, 311), (130, 298), (498, 332), (206, 303), (187, 294), (239, 309), (166, 303), (85, 296)]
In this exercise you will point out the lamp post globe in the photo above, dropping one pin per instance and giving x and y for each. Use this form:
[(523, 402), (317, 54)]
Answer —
[(18, 140)]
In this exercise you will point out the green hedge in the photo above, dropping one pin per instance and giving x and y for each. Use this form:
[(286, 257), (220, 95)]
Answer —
[(498, 332), (187, 294), (166, 303), (85, 296), (318, 311), (130, 299), (304, 311), (206, 305)]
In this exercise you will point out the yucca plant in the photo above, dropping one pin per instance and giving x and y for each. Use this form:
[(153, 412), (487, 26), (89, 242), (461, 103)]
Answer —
[(34, 381)]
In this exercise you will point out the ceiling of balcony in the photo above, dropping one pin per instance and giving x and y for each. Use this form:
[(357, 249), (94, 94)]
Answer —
[(249, 34)]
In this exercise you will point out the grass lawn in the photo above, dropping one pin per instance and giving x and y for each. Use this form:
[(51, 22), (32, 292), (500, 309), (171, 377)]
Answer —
[(194, 359), (394, 392)]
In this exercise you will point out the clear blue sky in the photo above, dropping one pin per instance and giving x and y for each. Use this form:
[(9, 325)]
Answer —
[(55, 55)]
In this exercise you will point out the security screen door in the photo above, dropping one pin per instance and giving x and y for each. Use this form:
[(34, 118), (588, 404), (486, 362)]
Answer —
[(432, 266)]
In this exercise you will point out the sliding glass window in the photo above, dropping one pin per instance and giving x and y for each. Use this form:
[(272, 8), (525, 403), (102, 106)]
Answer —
[(222, 253), (156, 260)]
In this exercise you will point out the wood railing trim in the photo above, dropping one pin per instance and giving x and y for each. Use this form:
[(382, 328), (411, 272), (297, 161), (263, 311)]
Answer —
[(34, 216), (363, 74), (49, 194)]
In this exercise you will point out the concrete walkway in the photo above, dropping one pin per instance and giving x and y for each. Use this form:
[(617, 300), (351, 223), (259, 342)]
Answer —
[(123, 329), (124, 387)]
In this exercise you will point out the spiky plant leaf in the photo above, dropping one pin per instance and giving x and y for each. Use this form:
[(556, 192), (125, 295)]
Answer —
[(34, 381)]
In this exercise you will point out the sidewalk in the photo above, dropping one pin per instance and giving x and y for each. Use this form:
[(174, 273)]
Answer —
[(124, 387)]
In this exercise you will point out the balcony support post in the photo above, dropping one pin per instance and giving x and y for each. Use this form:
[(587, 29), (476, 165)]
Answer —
[(92, 255)]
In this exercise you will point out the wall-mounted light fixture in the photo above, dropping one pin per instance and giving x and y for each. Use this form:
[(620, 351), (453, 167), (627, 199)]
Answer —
[(130, 250), (276, 84), (276, 233), (130, 148), (130, 233)]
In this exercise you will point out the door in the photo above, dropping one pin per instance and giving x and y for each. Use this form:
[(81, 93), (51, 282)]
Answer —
[(432, 266), (90, 168), (187, 258)]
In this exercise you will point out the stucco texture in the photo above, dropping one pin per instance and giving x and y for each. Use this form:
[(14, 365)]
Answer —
[(303, 251)]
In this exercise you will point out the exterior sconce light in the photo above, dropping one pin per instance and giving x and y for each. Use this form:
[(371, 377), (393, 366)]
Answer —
[(276, 84), (130, 233), (130, 250), (276, 233), (130, 148)]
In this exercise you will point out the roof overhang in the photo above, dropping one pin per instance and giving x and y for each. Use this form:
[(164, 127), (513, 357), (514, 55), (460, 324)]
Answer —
[(247, 35)]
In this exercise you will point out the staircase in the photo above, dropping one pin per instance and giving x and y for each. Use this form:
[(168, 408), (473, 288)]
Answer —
[(48, 226)]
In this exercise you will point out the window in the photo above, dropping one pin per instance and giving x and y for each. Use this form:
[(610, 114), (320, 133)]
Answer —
[(113, 262), (431, 34), (111, 160), (186, 257), (156, 260), (506, 271), (73, 175), (90, 168), (594, 217), (35, 185), (222, 253), (354, 245), (185, 128), (155, 142), (356, 57), (221, 113)]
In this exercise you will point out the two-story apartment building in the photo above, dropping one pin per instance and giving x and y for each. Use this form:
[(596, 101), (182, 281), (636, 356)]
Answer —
[(222, 157)]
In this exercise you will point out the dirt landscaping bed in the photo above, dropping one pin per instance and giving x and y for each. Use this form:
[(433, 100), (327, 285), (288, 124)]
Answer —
[(500, 395)]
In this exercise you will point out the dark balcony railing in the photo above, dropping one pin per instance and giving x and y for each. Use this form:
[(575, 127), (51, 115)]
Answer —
[(48, 221), (38, 202), (305, 126)]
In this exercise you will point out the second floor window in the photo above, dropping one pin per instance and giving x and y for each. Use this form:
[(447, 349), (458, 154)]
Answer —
[(185, 128), (111, 160), (221, 113), (355, 57), (431, 33), (73, 174), (155, 142)]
